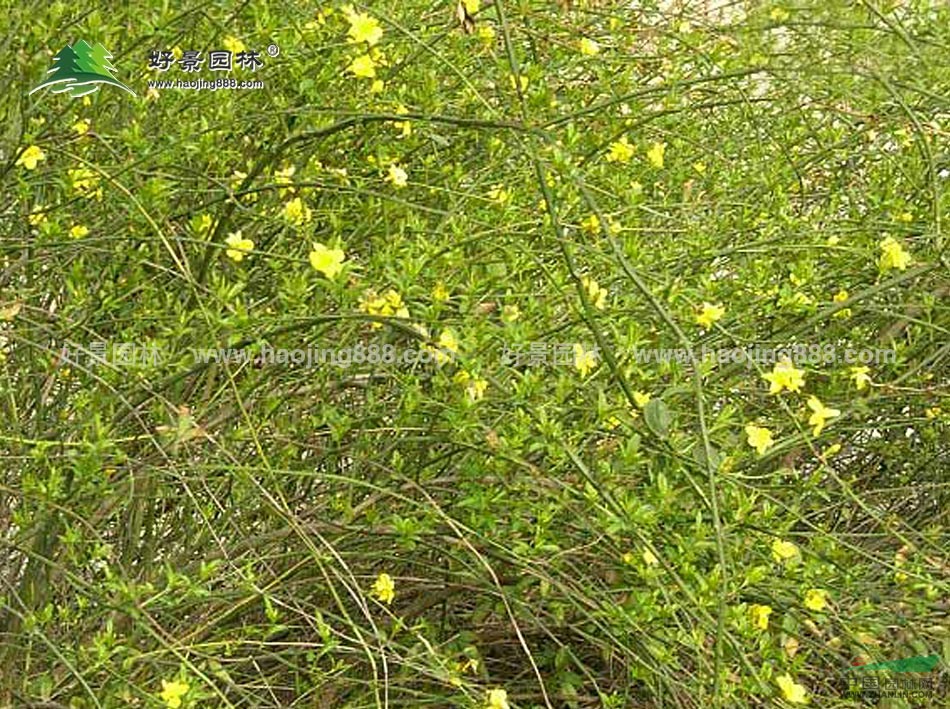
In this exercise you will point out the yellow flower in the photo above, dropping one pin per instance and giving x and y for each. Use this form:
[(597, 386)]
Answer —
[(78, 231), (404, 126), (297, 213), (233, 45), (472, 6), (363, 28), (37, 215), (831, 450), (759, 438), (584, 360), (709, 314), (799, 299), (620, 151), (440, 293), (597, 295), (30, 157), (649, 558), (285, 177), (446, 347), (394, 304), (447, 342), (760, 616), (363, 66), (497, 699), (486, 33), (83, 180), (816, 599), (389, 304), (794, 693), (589, 47), (700, 167), (203, 224), (81, 127), (784, 376), (172, 692), (499, 194), (377, 87), (469, 665), (840, 297), (790, 646), (655, 154), (522, 80), (641, 399), (893, 255), (510, 313), (239, 246), (820, 415), (861, 377), (384, 588), (397, 176), (783, 551), (476, 389), (778, 14), (329, 262), (591, 226)]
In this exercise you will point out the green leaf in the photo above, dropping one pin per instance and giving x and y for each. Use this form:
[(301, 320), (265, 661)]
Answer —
[(658, 418), (699, 455)]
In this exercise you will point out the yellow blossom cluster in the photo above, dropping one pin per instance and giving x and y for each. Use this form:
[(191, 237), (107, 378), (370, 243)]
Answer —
[(238, 246), (596, 294), (326, 260), (366, 32), (173, 692), (475, 387), (297, 213), (389, 305), (84, 182), (384, 588)]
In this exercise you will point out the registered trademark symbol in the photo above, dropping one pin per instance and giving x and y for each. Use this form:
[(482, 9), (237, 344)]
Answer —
[(273, 50)]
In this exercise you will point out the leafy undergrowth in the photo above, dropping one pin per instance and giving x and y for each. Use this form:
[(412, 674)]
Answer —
[(528, 465)]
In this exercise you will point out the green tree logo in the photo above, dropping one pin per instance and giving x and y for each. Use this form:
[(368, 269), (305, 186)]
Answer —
[(80, 69), (920, 663)]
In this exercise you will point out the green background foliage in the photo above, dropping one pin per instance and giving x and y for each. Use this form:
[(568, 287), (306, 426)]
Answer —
[(222, 524)]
